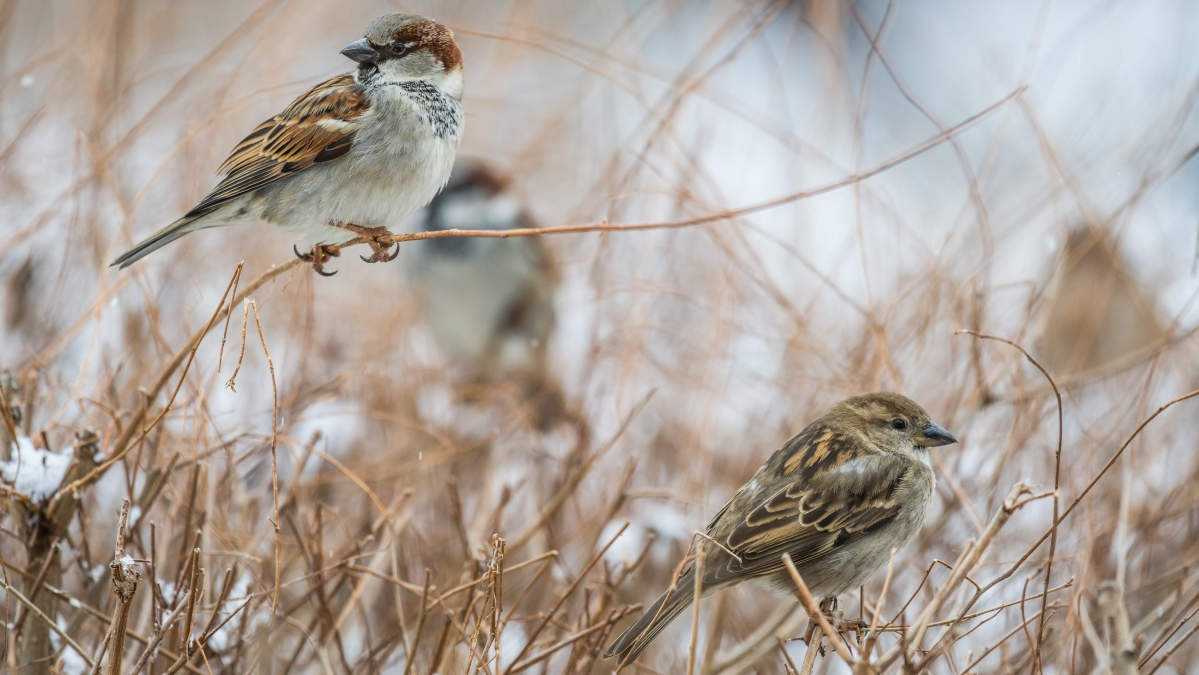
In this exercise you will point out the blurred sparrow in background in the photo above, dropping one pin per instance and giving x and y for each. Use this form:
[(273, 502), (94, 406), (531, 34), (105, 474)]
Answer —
[(353, 155), (838, 497), (488, 302), (1095, 314)]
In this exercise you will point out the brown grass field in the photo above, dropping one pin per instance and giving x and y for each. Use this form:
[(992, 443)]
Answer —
[(753, 210)]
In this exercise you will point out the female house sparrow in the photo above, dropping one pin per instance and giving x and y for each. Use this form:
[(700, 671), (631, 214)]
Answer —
[(351, 156), (838, 497), (489, 302)]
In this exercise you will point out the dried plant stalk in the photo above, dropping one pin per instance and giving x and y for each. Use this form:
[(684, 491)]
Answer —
[(124, 584)]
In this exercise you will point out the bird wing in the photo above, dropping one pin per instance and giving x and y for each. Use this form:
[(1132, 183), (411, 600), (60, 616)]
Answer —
[(835, 491), (317, 127)]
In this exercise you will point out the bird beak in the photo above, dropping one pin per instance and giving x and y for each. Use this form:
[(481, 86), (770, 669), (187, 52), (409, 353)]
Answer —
[(933, 435), (362, 52)]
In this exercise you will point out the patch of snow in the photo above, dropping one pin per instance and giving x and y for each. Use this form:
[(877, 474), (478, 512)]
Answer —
[(628, 546), (73, 664), (126, 562), (34, 472), (220, 639), (512, 641)]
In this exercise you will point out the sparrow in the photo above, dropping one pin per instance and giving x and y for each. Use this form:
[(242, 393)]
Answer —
[(1095, 313), (488, 302), (837, 498), (351, 156)]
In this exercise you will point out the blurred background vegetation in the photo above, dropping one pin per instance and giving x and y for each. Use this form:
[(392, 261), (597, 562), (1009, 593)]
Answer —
[(550, 390)]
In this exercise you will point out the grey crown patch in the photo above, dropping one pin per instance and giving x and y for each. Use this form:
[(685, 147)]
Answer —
[(441, 111)]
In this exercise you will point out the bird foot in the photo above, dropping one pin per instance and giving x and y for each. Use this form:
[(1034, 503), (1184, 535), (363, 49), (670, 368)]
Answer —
[(319, 255), (857, 626), (379, 249), (807, 636), (380, 253), (835, 618)]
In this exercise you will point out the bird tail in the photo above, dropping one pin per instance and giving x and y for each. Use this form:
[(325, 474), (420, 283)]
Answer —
[(160, 238), (637, 637)]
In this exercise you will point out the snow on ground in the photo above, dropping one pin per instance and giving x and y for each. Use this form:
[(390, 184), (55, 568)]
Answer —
[(34, 472)]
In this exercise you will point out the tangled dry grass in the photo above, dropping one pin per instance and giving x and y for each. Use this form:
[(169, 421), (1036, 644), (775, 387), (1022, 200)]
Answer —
[(825, 198)]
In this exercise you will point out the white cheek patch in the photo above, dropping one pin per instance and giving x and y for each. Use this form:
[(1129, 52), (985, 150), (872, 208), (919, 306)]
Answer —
[(450, 82), (392, 70)]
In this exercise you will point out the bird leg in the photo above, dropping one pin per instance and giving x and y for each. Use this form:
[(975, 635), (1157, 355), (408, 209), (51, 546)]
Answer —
[(319, 255), (828, 607), (379, 252)]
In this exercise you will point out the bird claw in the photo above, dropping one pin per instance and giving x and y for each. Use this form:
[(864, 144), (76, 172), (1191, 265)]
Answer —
[(317, 258), (381, 254)]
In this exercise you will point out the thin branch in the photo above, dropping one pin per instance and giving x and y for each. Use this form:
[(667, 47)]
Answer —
[(161, 632), (1057, 485), (126, 441), (53, 626), (562, 598), (274, 460), (805, 598), (698, 592)]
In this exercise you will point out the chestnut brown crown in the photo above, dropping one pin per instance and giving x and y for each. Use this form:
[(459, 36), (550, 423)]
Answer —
[(396, 35)]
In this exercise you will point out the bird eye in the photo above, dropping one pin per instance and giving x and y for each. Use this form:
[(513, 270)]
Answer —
[(399, 49), (899, 424)]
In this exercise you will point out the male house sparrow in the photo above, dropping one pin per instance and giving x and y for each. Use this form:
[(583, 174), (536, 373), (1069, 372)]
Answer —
[(351, 156), (838, 497), (489, 302)]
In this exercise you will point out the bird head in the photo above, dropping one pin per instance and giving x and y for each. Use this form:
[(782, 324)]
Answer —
[(402, 47), (891, 422)]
